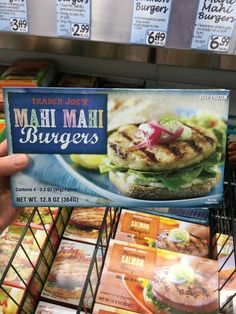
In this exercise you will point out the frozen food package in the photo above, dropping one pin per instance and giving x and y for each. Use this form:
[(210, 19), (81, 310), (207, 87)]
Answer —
[(25, 259), (103, 309), (44, 216), (29, 72), (13, 300), (85, 224), (118, 147), (164, 233), (149, 280), (77, 80), (49, 308), (224, 252), (112, 82), (2, 130), (67, 276)]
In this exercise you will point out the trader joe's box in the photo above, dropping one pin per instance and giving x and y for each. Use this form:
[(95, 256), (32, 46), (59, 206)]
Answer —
[(149, 280), (125, 147)]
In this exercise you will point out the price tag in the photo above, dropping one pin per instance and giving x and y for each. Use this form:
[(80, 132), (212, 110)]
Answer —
[(219, 43), (214, 25), (73, 18), (150, 22), (13, 16), (19, 25), (155, 38), (80, 30)]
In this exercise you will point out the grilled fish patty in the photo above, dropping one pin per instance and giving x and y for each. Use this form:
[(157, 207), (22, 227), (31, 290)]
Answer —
[(174, 155), (89, 217), (196, 246), (200, 293)]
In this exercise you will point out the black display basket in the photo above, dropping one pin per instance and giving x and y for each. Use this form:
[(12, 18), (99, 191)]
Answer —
[(31, 287)]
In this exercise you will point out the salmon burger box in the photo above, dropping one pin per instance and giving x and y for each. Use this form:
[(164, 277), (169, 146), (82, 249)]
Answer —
[(149, 280), (164, 233), (117, 147)]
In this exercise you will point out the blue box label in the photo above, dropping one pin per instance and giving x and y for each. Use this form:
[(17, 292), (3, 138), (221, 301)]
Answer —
[(58, 124)]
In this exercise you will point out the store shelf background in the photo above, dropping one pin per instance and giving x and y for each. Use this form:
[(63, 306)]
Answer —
[(109, 53), (111, 21)]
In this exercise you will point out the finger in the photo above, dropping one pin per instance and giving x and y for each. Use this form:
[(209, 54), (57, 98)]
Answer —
[(12, 164), (7, 212), (3, 148)]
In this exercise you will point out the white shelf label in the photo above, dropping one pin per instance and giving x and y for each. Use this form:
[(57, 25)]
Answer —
[(13, 16), (214, 25), (150, 22), (73, 18)]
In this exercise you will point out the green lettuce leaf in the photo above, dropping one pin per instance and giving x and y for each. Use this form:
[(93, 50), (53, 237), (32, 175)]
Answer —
[(172, 180)]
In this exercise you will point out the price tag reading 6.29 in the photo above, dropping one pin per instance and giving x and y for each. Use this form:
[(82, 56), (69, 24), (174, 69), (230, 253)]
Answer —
[(155, 38), (79, 30)]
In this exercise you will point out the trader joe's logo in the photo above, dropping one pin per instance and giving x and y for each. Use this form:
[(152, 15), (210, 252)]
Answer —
[(58, 123)]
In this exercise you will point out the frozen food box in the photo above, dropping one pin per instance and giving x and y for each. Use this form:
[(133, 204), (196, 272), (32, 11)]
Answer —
[(13, 300), (35, 253), (2, 70), (33, 237), (68, 273), (85, 224), (2, 130), (118, 147), (103, 309), (49, 308), (231, 140), (25, 258), (231, 145), (29, 72), (149, 280), (76, 80), (164, 233), (119, 83), (43, 216), (226, 260)]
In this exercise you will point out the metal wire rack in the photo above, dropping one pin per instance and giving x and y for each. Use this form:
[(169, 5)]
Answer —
[(222, 223), (25, 273)]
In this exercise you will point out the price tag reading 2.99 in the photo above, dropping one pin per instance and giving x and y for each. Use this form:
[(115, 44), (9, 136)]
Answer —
[(155, 38), (79, 30)]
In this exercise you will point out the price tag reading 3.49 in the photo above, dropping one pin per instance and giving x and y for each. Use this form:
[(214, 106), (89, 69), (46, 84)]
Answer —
[(219, 43), (13, 16), (19, 25), (155, 38), (80, 30)]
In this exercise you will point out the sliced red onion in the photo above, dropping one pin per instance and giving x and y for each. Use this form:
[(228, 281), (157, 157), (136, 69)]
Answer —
[(153, 135)]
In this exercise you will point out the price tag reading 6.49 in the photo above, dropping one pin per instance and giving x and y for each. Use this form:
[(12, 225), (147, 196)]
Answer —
[(19, 25), (80, 30), (155, 38)]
